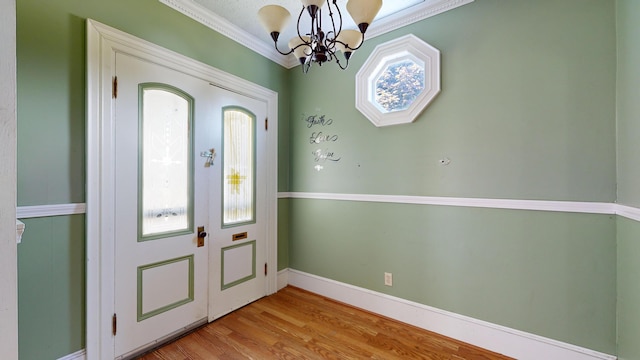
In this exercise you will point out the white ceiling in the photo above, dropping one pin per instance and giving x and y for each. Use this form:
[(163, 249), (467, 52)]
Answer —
[(238, 19)]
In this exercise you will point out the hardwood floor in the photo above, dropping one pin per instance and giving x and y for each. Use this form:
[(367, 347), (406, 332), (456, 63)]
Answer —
[(296, 324)]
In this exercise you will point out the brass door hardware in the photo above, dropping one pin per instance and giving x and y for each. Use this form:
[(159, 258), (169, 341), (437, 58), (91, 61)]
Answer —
[(201, 235), (239, 236)]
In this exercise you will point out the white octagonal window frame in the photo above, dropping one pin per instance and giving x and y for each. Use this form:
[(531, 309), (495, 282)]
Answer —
[(408, 47)]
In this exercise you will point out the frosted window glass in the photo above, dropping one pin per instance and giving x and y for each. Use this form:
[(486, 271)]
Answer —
[(238, 177), (166, 159)]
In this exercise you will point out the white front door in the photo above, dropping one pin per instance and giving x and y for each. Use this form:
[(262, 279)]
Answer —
[(189, 160), (142, 256), (161, 188), (238, 223)]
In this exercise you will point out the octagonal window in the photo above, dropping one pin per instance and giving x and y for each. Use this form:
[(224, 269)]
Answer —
[(398, 81), (399, 85)]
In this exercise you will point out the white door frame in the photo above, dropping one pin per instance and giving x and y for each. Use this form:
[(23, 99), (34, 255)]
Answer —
[(102, 44), (8, 136)]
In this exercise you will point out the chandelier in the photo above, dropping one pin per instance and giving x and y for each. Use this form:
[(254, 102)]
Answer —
[(316, 45)]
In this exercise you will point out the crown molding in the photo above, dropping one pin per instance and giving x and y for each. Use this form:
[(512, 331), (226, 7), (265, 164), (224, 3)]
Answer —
[(411, 15), (217, 23)]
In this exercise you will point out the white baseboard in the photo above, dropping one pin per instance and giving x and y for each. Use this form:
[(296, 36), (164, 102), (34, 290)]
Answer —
[(500, 339), (283, 278), (78, 355)]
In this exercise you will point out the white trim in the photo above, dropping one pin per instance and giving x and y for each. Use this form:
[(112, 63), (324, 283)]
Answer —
[(628, 212), (283, 278), (379, 27), (217, 23), (103, 42), (78, 355), (8, 149), (408, 47), (542, 205), (27, 212), (412, 15), (497, 338)]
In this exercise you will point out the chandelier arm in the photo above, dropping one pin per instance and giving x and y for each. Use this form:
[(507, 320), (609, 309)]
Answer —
[(298, 27), (335, 3), (282, 53), (340, 65), (300, 45), (319, 34)]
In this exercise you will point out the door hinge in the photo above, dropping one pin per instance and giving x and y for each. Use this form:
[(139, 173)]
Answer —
[(114, 87), (265, 269), (114, 324), (266, 123)]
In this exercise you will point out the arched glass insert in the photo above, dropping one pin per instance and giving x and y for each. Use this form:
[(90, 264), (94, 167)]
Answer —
[(165, 152), (238, 180)]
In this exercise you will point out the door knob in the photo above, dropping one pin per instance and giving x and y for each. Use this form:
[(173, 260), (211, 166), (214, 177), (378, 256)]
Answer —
[(201, 235)]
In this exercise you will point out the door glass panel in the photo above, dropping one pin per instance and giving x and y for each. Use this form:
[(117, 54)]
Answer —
[(166, 158), (238, 200)]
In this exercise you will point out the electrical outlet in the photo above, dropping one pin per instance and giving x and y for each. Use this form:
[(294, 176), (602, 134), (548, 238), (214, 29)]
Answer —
[(388, 279)]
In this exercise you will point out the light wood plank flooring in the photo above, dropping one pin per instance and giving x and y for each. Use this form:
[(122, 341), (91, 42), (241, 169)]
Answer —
[(296, 324)]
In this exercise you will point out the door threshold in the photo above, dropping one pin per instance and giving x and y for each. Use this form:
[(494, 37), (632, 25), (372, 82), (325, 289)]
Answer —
[(163, 340)]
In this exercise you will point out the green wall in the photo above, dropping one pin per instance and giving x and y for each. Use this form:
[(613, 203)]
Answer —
[(527, 111), (628, 122), (51, 144), (628, 289), (551, 274), (51, 290), (628, 106)]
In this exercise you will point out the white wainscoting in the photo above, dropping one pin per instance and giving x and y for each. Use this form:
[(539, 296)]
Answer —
[(500, 339)]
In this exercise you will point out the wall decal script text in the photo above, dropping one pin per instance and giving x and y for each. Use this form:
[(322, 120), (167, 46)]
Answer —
[(314, 120), (322, 155)]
